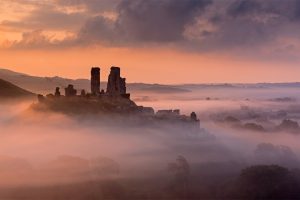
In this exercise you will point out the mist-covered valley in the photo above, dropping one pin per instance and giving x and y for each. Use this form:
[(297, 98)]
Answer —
[(149, 99), (247, 132)]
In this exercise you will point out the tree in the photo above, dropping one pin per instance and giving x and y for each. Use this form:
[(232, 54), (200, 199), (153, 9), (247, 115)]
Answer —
[(267, 182), (181, 173)]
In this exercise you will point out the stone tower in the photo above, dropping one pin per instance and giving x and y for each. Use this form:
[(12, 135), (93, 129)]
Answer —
[(116, 85), (95, 80)]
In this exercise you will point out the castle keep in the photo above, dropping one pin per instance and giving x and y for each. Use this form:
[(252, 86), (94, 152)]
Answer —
[(95, 80)]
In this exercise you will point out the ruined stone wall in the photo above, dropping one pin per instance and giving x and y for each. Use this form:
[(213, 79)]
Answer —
[(123, 85), (70, 91), (116, 85)]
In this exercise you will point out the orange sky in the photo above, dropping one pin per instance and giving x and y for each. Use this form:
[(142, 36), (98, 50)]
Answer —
[(25, 46), (145, 65)]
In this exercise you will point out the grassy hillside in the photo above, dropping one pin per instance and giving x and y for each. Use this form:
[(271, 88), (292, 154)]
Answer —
[(9, 90), (42, 85)]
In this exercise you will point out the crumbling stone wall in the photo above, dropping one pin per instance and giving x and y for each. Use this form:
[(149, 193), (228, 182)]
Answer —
[(116, 85), (70, 91)]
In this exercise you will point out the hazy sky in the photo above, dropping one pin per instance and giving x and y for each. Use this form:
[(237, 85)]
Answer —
[(163, 41)]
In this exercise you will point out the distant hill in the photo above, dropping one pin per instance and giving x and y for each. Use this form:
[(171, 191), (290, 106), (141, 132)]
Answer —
[(9, 90), (40, 84), (157, 88), (46, 85)]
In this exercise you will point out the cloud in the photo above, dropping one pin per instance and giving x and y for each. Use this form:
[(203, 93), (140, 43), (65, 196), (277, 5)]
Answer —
[(198, 25), (97, 29), (235, 26), (91, 5), (157, 21), (34, 38), (243, 7), (47, 17), (144, 21), (247, 28), (40, 39)]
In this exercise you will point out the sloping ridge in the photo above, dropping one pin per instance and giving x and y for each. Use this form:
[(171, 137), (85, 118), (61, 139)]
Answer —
[(9, 90)]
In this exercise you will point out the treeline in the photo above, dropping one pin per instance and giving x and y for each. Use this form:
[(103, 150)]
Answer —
[(179, 180)]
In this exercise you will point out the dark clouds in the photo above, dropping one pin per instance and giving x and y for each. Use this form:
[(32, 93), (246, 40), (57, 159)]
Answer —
[(243, 7), (289, 9), (97, 29), (158, 21), (201, 25), (236, 23), (144, 21), (248, 26), (215, 25)]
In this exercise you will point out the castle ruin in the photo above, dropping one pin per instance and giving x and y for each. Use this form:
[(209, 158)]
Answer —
[(116, 85), (69, 91), (114, 100)]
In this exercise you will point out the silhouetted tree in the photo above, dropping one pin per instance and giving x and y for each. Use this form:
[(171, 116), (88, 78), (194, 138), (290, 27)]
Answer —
[(181, 172), (267, 182), (267, 153)]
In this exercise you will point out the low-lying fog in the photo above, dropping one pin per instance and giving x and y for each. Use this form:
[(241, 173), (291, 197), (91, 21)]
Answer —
[(51, 148), (262, 105)]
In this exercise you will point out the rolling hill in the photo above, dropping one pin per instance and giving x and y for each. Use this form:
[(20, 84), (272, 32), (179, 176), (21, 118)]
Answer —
[(9, 90), (46, 85)]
